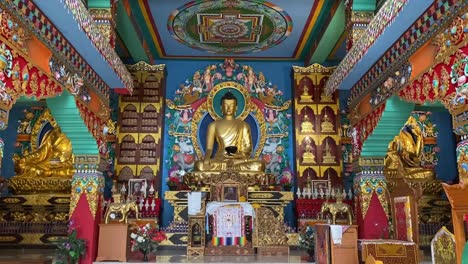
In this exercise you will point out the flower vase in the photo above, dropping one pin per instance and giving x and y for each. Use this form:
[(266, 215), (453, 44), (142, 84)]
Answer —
[(287, 188), (172, 187), (145, 254), (311, 253)]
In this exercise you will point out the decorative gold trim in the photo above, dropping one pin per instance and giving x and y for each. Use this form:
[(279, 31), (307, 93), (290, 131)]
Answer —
[(314, 68), (143, 66)]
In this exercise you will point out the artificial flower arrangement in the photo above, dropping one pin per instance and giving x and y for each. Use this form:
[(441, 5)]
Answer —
[(71, 249), (287, 179), (146, 238), (173, 182)]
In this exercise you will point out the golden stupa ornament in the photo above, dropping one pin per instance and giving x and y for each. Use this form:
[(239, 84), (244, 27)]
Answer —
[(306, 125), (328, 157), (326, 125)]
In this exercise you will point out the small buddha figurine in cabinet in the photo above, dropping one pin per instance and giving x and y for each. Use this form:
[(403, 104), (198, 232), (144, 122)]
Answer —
[(308, 155), (328, 157), (305, 97)]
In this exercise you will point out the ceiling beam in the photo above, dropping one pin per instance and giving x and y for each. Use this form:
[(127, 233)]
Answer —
[(364, 5), (99, 4), (331, 36), (128, 34)]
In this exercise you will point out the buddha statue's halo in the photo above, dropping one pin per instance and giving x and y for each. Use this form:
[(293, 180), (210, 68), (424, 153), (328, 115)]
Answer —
[(239, 91)]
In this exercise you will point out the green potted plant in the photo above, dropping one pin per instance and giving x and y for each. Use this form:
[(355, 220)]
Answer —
[(71, 249), (307, 242)]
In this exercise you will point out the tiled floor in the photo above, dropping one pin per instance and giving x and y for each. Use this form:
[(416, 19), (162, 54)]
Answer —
[(163, 256)]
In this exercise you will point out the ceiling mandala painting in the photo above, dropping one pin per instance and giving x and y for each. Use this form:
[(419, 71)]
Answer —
[(230, 26)]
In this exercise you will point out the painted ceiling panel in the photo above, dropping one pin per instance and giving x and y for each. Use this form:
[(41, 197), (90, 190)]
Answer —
[(277, 29)]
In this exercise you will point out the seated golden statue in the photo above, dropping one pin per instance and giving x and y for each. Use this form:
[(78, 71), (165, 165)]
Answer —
[(308, 155), (53, 158), (407, 148), (234, 142), (305, 97)]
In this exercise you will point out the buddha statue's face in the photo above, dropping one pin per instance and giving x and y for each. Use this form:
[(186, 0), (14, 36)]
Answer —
[(229, 107)]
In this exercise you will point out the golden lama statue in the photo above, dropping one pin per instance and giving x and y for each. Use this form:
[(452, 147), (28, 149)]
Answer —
[(407, 148), (234, 142), (53, 158)]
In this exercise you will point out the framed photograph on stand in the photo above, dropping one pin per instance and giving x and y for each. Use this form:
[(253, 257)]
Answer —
[(230, 193), (137, 188), (320, 187)]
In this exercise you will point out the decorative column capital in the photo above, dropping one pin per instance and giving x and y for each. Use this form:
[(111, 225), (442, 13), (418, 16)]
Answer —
[(89, 184)]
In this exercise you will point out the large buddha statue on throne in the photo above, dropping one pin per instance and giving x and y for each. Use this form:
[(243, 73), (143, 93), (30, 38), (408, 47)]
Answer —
[(53, 158), (234, 142)]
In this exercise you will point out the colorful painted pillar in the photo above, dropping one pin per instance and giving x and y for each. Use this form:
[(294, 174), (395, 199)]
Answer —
[(370, 138), (86, 207), (457, 193), (371, 207)]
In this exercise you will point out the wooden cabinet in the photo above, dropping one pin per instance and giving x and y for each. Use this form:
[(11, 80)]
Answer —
[(327, 252), (140, 124), (113, 242)]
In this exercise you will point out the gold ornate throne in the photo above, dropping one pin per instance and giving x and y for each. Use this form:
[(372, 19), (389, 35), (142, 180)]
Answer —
[(48, 166)]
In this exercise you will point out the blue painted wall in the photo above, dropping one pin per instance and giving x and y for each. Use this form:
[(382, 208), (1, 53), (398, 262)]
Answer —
[(279, 73), (446, 168), (9, 136)]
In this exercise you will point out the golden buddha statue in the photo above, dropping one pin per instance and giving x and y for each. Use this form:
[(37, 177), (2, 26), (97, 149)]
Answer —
[(306, 125), (234, 142), (407, 148), (305, 97), (308, 156), (53, 158), (326, 125), (328, 157)]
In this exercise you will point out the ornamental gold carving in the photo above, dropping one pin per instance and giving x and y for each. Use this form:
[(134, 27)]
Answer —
[(268, 230)]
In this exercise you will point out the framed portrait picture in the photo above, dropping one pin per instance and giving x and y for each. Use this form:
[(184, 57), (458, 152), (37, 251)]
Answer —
[(137, 187), (230, 193), (320, 185)]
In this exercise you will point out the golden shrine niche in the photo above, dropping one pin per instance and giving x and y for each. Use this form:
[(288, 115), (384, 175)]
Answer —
[(48, 167)]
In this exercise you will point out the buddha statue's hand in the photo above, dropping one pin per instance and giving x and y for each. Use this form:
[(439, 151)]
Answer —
[(235, 156), (206, 162)]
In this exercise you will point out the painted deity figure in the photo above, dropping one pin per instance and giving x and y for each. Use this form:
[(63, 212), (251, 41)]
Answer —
[(234, 141), (53, 158)]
